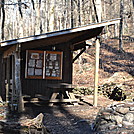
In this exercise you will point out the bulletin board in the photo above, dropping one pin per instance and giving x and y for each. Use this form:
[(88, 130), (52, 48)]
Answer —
[(34, 64), (53, 65), (43, 64)]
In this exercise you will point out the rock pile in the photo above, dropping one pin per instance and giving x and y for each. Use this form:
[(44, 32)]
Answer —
[(112, 91), (117, 92), (118, 118)]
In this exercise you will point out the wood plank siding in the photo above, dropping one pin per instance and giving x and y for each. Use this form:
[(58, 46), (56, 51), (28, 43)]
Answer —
[(39, 86), (0, 73)]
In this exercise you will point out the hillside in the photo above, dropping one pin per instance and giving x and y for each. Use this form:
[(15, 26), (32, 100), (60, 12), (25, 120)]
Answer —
[(115, 67)]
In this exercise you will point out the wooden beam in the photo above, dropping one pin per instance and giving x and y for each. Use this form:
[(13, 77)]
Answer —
[(53, 99), (77, 56), (13, 82), (9, 51), (7, 81), (3, 79), (18, 81), (97, 50)]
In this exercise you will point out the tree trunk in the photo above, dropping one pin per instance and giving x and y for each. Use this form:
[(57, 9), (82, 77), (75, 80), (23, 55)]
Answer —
[(0, 9), (51, 16), (121, 26), (72, 20), (97, 9), (3, 20)]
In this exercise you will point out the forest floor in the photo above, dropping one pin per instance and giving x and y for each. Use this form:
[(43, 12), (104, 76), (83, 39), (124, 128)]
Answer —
[(70, 119)]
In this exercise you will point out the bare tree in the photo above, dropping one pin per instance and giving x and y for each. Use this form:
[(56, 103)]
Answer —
[(121, 25), (29, 17), (3, 19), (97, 6)]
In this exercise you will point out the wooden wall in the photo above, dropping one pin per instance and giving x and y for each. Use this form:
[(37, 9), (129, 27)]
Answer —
[(0, 74), (39, 86), (2, 77)]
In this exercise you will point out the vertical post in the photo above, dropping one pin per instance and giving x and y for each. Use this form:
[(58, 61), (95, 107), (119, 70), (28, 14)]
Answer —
[(3, 90), (13, 82), (18, 80), (97, 50), (7, 82)]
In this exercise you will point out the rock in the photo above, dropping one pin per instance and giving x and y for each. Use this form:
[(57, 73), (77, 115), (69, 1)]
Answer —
[(118, 119), (129, 117), (105, 126), (106, 115), (25, 126), (131, 108), (126, 123), (37, 122), (103, 122), (119, 125), (123, 132), (122, 110), (111, 127)]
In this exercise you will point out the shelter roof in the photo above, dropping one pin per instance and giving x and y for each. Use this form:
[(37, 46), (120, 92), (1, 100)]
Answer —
[(76, 36)]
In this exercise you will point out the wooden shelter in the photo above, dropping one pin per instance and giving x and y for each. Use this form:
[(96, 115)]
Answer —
[(41, 65)]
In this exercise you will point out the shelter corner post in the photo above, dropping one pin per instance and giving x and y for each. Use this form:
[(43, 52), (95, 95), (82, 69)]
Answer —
[(97, 51), (18, 79)]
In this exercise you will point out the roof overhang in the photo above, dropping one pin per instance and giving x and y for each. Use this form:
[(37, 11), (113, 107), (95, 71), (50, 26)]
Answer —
[(74, 36)]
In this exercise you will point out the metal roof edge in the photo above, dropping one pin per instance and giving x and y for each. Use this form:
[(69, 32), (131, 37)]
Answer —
[(58, 33)]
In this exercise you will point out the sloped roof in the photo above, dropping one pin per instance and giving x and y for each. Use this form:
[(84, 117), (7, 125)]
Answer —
[(74, 36)]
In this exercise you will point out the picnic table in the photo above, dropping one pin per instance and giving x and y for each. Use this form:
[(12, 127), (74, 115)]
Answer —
[(61, 92)]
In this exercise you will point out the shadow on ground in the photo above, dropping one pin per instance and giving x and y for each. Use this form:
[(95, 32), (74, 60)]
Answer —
[(117, 62), (59, 120)]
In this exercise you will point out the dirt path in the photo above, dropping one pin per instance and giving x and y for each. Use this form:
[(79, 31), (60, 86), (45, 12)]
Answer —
[(69, 119)]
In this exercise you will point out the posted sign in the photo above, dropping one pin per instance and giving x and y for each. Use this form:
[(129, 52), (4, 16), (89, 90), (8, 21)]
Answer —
[(43, 64)]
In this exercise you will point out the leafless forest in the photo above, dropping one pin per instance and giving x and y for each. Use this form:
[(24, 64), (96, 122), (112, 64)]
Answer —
[(21, 18)]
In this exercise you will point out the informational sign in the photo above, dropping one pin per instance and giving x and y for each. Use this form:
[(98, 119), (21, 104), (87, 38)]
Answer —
[(53, 65), (43, 64), (34, 64)]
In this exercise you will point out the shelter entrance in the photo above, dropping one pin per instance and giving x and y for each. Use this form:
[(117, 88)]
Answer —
[(9, 81), (11, 78)]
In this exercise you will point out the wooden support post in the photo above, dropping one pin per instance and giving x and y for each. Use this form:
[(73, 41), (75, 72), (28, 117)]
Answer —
[(3, 79), (13, 83), (97, 47), (18, 81), (7, 82)]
